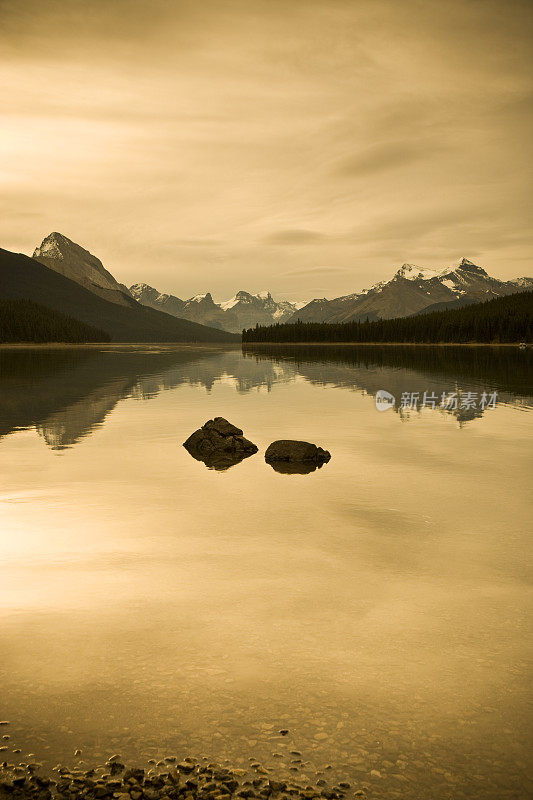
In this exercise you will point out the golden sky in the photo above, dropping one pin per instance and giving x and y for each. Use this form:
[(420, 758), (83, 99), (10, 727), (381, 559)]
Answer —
[(308, 147)]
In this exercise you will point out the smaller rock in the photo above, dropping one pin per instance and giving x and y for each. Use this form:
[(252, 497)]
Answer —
[(185, 766), (296, 452)]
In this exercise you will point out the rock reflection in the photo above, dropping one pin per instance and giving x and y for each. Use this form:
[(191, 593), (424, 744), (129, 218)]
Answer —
[(219, 461), (294, 468)]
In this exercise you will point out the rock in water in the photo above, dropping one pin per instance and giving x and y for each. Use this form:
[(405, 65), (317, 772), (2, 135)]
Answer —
[(219, 444), (290, 451)]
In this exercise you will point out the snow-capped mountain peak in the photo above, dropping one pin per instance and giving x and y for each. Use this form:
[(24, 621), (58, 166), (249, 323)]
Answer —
[(242, 310), (411, 290), (201, 298), (465, 266), (414, 273), (61, 254)]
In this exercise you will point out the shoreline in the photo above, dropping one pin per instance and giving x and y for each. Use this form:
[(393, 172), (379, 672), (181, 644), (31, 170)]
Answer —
[(169, 779), (237, 345), (114, 345), (385, 344)]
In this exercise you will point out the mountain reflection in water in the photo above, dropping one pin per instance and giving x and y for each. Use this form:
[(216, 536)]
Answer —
[(66, 393)]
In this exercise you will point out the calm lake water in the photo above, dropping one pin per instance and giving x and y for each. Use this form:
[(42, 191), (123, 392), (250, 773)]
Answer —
[(377, 607)]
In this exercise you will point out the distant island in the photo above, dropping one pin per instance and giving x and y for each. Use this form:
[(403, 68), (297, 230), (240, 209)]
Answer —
[(502, 320)]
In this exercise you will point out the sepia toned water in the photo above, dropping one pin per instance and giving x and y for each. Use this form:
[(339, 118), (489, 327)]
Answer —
[(377, 608)]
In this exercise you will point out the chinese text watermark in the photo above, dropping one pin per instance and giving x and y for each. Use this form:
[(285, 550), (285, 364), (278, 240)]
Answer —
[(449, 401)]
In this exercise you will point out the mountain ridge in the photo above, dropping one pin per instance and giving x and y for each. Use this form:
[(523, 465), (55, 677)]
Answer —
[(29, 279), (240, 311), (410, 291), (73, 261)]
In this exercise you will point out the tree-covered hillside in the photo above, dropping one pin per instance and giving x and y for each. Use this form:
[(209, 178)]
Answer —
[(26, 278), (504, 319), (25, 321)]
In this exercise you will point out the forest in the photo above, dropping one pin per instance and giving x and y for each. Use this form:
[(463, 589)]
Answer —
[(501, 320), (25, 321)]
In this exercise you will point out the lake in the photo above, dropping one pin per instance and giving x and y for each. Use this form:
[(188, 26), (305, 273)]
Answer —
[(377, 608)]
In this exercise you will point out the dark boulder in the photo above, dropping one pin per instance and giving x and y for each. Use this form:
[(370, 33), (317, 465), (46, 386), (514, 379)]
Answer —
[(219, 444), (301, 454)]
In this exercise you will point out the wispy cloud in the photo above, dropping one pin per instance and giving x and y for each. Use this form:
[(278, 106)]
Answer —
[(210, 144), (295, 237)]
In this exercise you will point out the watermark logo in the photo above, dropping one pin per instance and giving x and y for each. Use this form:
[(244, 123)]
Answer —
[(384, 400), (448, 401)]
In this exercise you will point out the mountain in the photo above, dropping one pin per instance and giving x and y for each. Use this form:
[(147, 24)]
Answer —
[(69, 259), (150, 297), (254, 308), (28, 278), (202, 308), (241, 311), (411, 290)]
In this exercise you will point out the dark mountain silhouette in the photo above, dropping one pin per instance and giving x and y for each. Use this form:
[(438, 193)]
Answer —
[(24, 277)]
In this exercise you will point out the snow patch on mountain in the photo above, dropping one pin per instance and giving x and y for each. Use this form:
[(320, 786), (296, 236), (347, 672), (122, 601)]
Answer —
[(414, 273), (199, 297)]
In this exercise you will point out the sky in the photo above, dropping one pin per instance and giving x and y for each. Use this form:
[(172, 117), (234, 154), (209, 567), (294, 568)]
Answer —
[(303, 146)]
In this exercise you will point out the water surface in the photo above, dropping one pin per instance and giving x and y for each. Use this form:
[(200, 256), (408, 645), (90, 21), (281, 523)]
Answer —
[(377, 607)]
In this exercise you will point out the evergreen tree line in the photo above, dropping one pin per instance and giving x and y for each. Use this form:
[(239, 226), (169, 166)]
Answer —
[(24, 321), (504, 319)]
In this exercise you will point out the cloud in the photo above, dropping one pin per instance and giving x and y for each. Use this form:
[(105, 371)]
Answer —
[(324, 270), (295, 236), (208, 144), (199, 242), (383, 157)]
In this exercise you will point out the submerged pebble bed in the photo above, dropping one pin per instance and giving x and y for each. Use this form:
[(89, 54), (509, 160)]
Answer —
[(167, 779)]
